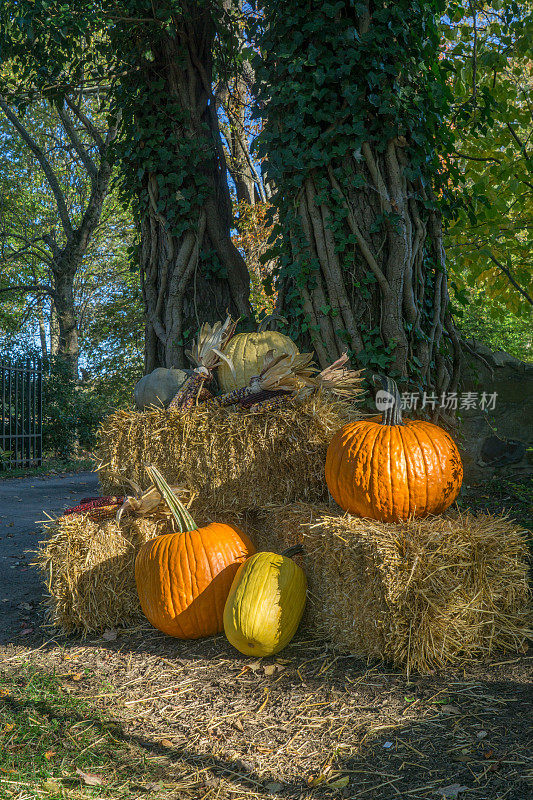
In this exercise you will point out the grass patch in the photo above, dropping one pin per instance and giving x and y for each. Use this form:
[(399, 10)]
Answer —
[(55, 744), (51, 465)]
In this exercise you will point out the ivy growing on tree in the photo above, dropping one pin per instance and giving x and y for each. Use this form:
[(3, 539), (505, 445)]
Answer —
[(354, 102), (174, 166)]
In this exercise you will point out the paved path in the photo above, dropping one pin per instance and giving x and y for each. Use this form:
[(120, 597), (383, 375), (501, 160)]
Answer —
[(23, 502)]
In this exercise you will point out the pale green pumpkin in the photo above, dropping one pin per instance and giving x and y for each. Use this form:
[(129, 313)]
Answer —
[(265, 604), (247, 351), (158, 387)]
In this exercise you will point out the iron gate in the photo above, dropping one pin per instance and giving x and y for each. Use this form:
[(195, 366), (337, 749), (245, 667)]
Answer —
[(21, 413)]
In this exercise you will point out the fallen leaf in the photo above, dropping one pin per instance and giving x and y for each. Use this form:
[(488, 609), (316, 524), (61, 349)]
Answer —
[(339, 783), (166, 743), (388, 745), (89, 779), (254, 666), (450, 709), (109, 635), (49, 754), (9, 727), (274, 786), (481, 734), (452, 791), (154, 787), (488, 753), (238, 724), (270, 669), (26, 631), (51, 786)]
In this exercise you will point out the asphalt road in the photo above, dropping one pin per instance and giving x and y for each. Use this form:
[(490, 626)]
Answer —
[(23, 503)]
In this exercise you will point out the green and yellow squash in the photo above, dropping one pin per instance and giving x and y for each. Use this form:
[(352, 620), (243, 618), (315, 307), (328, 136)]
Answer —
[(265, 603)]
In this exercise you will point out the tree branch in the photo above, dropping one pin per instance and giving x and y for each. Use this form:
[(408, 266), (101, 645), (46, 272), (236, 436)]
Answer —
[(70, 130), (86, 122), (44, 164), (29, 287), (477, 158), (515, 284)]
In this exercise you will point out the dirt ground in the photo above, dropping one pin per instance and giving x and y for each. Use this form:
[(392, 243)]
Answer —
[(215, 725), (309, 724)]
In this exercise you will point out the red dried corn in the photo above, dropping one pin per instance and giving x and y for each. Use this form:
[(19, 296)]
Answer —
[(91, 504), (231, 398), (263, 396), (191, 392)]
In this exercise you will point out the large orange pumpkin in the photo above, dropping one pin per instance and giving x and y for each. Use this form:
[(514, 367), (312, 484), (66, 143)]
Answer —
[(183, 579), (391, 468)]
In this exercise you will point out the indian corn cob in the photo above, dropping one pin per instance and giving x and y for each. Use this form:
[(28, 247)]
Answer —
[(96, 507), (206, 354), (282, 373)]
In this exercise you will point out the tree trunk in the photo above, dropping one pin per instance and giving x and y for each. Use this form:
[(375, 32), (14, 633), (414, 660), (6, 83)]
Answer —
[(190, 270), (376, 307), (67, 260), (42, 328), (68, 346), (353, 158), (248, 186), (54, 330)]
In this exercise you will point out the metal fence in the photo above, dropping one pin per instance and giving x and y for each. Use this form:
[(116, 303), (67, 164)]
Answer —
[(21, 413)]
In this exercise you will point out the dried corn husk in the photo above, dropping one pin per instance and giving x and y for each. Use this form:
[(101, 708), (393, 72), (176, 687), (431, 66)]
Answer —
[(340, 379)]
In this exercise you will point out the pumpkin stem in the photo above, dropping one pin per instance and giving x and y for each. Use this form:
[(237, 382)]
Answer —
[(392, 412), (183, 519), (265, 322), (295, 550)]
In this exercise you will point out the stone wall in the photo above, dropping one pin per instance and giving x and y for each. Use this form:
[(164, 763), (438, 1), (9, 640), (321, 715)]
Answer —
[(498, 440)]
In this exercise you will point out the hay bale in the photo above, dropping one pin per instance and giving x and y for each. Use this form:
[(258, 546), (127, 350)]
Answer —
[(421, 594), (88, 568), (232, 460)]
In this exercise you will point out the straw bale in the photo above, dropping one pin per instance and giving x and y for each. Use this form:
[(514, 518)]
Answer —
[(88, 568), (233, 460), (420, 594)]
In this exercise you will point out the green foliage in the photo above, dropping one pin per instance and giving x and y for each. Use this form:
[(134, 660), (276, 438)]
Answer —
[(337, 88), (71, 413), (491, 322), (113, 339), (50, 44), (487, 50)]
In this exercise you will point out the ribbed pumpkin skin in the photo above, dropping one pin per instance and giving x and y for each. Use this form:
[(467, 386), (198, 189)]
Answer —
[(265, 604), (393, 472), (247, 351), (183, 579)]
